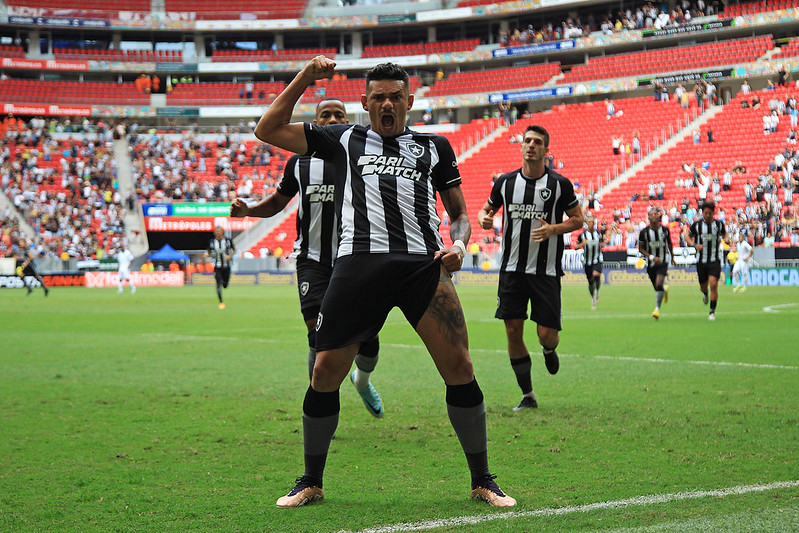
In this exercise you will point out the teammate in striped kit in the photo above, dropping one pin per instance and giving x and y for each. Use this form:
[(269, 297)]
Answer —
[(705, 236), (534, 200), (316, 244), (390, 255), (654, 243), (591, 241), (221, 249)]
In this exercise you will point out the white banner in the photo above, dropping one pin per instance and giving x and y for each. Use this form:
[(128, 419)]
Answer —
[(140, 279)]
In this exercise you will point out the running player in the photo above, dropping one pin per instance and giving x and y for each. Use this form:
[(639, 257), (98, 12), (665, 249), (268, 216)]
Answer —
[(591, 241), (533, 200), (654, 243), (26, 267), (221, 249), (705, 236), (124, 259), (315, 247), (390, 254)]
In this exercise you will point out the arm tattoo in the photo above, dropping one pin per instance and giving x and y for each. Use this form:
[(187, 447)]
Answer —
[(446, 308), (460, 229)]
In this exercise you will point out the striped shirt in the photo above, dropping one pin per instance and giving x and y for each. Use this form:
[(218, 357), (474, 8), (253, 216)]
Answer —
[(317, 232), (655, 242), (592, 249), (386, 187), (219, 249), (523, 201), (709, 236)]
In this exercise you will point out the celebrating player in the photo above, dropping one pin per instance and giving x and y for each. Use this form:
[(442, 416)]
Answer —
[(221, 249), (705, 236), (534, 200), (654, 243), (315, 247), (390, 254)]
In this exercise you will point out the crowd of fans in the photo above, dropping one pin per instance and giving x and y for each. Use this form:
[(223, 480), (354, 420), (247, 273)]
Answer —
[(648, 15)]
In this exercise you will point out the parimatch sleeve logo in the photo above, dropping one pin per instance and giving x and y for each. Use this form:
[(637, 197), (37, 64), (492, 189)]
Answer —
[(320, 193)]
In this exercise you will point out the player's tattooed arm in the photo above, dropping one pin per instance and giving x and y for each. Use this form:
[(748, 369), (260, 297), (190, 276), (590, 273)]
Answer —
[(460, 229)]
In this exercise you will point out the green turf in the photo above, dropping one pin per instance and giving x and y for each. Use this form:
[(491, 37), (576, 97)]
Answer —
[(158, 412)]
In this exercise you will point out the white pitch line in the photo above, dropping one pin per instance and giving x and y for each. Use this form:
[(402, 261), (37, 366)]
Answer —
[(558, 511), (776, 308), (635, 359)]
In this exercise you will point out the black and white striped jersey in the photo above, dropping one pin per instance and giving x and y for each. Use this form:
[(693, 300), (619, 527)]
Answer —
[(592, 248), (219, 249), (317, 231), (656, 242), (709, 236), (386, 187), (523, 201)]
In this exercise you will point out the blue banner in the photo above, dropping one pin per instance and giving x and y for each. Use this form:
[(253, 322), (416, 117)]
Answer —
[(157, 210), (534, 94), (533, 48)]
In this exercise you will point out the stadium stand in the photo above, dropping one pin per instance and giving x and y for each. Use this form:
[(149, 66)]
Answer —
[(88, 8), (437, 47), (346, 90), (222, 93), (753, 8), (213, 10), (495, 79), (791, 49), (91, 54), (71, 92), (7, 50), (673, 59), (294, 54)]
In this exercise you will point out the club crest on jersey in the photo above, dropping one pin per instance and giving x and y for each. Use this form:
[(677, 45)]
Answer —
[(304, 286), (415, 149), (545, 194)]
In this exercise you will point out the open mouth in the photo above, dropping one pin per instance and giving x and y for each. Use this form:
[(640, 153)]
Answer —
[(387, 121)]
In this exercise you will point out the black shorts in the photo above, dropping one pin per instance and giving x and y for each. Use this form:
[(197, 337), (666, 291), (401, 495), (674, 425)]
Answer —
[(542, 293), (590, 269), (29, 270), (654, 271), (705, 270), (364, 288), (222, 276), (312, 280)]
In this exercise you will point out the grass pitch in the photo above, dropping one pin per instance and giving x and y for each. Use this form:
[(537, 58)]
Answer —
[(158, 412)]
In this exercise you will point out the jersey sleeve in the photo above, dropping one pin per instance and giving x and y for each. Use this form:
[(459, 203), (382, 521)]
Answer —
[(567, 197), (323, 141), (694, 231), (495, 200), (643, 239), (289, 185), (445, 173), (581, 237)]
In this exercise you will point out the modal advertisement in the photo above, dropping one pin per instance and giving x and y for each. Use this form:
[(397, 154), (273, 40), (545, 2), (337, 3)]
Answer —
[(140, 279)]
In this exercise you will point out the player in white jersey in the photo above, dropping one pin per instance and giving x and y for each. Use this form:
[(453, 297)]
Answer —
[(740, 270), (125, 258), (390, 255), (315, 247)]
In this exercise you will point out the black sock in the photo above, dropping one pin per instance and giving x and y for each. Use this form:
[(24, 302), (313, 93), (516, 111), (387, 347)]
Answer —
[(467, 415), (219, 293), (521, 367), (713, 305), (319, 421)]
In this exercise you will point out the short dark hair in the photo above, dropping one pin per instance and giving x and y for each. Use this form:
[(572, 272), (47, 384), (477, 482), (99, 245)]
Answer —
[(539, 130), (327, 99), (709, 205), (387, 71)]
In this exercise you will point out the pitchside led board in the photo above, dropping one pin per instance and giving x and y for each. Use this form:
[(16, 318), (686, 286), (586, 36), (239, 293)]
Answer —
[(192, 216)]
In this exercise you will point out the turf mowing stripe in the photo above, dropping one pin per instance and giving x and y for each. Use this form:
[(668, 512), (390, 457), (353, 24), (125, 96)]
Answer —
[(556, 511)]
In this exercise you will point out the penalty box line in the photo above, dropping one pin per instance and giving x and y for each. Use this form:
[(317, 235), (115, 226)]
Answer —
[(652, 499)]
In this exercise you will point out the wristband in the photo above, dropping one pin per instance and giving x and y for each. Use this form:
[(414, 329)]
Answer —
[(459, 244)]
